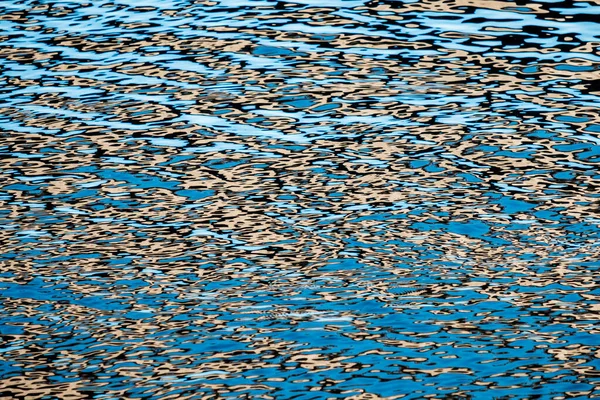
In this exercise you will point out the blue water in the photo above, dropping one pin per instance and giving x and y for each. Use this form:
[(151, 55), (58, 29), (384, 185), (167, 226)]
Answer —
[(260, 199)]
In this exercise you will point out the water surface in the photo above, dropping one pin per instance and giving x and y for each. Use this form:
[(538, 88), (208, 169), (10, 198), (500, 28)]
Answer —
[(307, 200)]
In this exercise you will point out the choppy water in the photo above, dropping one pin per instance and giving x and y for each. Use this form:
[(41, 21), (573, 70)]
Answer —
[(308, 200)]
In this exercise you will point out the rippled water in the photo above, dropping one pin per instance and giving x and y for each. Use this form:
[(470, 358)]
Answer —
[(308, 200)]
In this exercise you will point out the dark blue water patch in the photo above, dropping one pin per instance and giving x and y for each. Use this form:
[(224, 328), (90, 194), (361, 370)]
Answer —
[(590, 155), (23, 188), (138, 315), (543, 134), (572, 147), (327, 107), (569, 118), (574, 68), (84, 193), (512, 206), (418, 163), (9, 369), (272, 51), (10, 329), (514, 154), (434, 168), (593, 128), (580, 227), (143, 181), (475, 229), (35, 289), (132, 283), (100, 303), (299, 103), (564, 175), (195, 194), (531, 70)]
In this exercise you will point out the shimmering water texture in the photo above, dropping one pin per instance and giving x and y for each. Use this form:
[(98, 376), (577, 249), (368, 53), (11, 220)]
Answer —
[(312, 200)]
